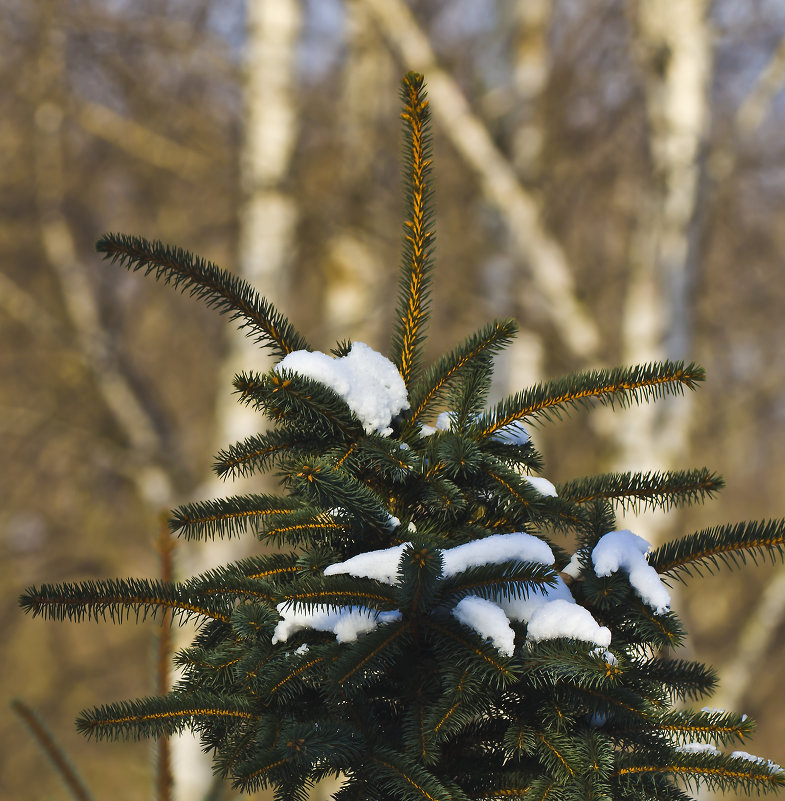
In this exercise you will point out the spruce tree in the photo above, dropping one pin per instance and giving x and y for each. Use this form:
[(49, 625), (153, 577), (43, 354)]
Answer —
[(420, 627)]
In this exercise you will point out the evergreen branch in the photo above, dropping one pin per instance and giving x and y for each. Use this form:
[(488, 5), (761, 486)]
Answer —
[(716, 770), (218, 288), (704, 550), (256, 776), (47, 743), (690, 726), (337, 592), (226, 517), (506, 789), (680, 678), (291, 675), (620, 386), (497, 669), (369, 649), (382, 457), (506, 580), (270, 566), (220, 582), (161, 716), (118, 598), (302, 403), (404, 778), (636, 490), (306, 525), (418, 236), (322, 484), (523, 496), (644, 626), (476, 349), (564, 662), (259, 452), (627, 704), (441, 498), (557, 752)]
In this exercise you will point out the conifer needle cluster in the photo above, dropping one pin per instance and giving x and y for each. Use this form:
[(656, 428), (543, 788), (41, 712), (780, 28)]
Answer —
[(419, 627)]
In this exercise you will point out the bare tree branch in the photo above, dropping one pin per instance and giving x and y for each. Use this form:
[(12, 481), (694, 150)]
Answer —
[(758, 101), (79, 300), (141, 142)]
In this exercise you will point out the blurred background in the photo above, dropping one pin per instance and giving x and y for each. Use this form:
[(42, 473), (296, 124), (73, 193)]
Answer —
[(608, 172)]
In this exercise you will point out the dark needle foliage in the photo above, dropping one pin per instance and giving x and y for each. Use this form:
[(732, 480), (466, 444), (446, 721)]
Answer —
[(305, 667)]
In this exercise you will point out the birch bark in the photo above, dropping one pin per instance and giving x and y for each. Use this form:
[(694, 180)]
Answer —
[(268, 219), (522, 364), (673, 48)]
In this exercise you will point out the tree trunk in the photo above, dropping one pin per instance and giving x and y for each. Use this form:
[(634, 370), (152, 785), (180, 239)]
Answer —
[(673, 48), (268, 218)]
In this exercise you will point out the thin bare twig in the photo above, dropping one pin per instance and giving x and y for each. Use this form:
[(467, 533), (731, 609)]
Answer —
[(63, 767)]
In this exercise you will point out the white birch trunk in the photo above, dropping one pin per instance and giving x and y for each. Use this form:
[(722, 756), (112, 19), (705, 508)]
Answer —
[(673, 48), (522, 364), (351, 293), (268, 217)]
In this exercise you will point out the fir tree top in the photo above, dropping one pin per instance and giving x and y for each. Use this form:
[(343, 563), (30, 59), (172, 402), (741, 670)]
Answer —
[(422, 632)]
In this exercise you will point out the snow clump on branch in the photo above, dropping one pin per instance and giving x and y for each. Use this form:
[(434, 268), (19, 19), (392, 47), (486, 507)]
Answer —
[(549, 612), (368, 381)]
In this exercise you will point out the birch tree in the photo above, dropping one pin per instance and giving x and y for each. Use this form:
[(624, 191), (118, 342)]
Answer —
[(266, 244), (672, 44)]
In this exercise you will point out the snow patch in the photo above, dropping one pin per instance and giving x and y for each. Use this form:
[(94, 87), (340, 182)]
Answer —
[(549, 612), (542, 485), (574, 567), (698, 748), (495, 549), (523, 609), (380, 565), (368, 381), (488, 620), (772, 767), (623, 550), (560, 618), (513, 433), (346, 623)]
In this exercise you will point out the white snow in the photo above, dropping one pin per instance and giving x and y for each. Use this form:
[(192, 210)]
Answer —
[(346, 623), (560, 618), (542, 485), (444, 421), (368, 381), (496, 549), (488, 620), (513, 433), (573, 567), (380, 565), (606, 656), (623, 550), (698, 748), (383, 565), (772, 767), (523, 609), (549, 613)]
